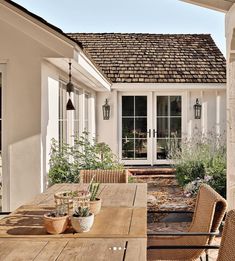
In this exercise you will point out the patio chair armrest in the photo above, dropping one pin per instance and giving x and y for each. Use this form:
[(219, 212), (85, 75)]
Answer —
[(192, 234), (170, 211), (183, 247)]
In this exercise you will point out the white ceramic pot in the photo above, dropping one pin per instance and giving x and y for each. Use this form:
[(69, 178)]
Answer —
[(82, 224)]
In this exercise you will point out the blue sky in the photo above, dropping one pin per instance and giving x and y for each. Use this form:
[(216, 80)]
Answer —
[(151, 16)]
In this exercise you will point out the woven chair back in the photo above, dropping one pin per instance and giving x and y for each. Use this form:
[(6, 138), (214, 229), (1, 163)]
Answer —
[(209, 212), (104, 176), (227, 249)]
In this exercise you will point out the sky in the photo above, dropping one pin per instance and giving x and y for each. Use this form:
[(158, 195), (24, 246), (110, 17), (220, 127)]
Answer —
[(126, 16)]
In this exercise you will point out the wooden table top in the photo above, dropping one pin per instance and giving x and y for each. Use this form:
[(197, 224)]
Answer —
[(122, 222), (70, 250), (112, 195)]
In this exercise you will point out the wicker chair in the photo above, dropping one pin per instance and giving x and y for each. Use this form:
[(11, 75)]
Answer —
[(104, 176), (227, 249), (209, 212)]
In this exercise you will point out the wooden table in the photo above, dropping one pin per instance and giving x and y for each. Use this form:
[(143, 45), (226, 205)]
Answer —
[(119, 231)]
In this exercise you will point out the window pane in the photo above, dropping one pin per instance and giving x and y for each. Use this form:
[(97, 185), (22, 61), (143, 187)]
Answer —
[(140, 127), (128, 128), (127, 105), (141, 148), (162, 105), (62, 113), (140, 105), (162, 151), (162, 127), (175, 127), (175, 105), (76, 112), (127, 149)]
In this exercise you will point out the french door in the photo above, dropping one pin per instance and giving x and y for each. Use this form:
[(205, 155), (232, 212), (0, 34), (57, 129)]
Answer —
[(150, 125)]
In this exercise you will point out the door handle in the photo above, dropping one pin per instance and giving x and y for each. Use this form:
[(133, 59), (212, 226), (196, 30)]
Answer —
[(149, 133), (154, 133)]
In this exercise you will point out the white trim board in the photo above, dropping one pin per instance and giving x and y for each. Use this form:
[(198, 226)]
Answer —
[(136, 87)]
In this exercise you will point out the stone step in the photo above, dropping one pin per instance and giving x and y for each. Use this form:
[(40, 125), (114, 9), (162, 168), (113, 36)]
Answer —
[(151, 171)]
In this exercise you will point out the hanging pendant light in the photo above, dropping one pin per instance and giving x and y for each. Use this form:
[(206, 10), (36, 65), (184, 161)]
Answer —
[(69, 89)]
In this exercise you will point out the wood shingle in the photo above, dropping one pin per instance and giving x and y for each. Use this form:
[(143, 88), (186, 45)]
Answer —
[(155, 58)]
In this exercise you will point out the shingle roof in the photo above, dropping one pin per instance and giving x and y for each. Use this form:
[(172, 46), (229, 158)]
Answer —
[(155, 58)]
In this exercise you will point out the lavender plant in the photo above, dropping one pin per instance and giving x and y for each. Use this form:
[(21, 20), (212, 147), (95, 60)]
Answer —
[(201, 159)]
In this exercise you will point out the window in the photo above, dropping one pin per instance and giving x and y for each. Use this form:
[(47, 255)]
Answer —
[(63, 122), (86, 113), (76, 119), (73, 122)]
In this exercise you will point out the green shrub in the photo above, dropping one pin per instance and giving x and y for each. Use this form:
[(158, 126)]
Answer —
[(66, 161), (201, 160)]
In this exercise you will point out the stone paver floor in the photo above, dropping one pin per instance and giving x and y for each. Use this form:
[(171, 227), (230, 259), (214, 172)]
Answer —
[(171, 197)]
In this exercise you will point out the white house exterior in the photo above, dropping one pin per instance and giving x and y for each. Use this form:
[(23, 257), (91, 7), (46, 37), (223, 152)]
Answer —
[(34, 60), (152, 70), (148, 105), (228, 7)]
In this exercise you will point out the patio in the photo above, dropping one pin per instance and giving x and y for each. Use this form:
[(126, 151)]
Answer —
[(125, 98)]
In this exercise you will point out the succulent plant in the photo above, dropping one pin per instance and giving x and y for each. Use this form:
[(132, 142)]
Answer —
[(58, 212), (81, 212), (93, 189)]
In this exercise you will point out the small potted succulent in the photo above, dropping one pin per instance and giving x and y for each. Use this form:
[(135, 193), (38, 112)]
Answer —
[(56, 221), (82, 219), (95, 203)]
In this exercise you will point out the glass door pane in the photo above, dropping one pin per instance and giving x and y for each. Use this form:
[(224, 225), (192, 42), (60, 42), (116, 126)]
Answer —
[(168, 125), (134, 128)]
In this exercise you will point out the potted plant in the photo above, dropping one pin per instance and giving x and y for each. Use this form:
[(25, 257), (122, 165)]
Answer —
[(82, 219), (95, 203), (56, 221)]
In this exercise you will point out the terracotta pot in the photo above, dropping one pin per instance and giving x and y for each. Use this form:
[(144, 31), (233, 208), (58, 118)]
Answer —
[(82, 224), (56, 225), (95, 206)]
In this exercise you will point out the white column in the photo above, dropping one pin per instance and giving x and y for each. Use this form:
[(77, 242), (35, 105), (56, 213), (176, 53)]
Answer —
[(231, 135)]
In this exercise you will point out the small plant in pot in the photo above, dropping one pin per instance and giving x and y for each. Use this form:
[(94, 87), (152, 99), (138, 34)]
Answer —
[(95, 203), (56, 221), (82, 219)]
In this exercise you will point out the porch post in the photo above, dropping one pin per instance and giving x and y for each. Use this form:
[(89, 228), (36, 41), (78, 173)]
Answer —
[(231, 135)]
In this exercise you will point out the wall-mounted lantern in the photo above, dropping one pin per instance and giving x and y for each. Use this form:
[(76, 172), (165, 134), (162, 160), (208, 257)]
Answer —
[(106, 110), (197, 110), (69, 89)]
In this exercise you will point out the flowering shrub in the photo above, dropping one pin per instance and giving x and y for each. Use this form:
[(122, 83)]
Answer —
[(66, 161), (201, 159)]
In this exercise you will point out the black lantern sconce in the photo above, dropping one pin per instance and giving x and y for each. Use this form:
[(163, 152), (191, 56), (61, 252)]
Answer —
[(197, 110), (106, 110), (69, 89)]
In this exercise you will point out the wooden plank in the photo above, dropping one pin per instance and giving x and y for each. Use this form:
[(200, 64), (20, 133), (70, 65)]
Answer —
[(52, 250), (141, 196), (138, 226), (110, 222), (136, 250), (93, 249), (20, 250), (121, 195)]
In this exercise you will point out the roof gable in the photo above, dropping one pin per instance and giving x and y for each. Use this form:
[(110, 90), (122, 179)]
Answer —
[(156, 58)]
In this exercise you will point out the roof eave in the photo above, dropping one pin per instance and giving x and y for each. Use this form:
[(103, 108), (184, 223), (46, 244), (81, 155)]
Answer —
[(221, 6)]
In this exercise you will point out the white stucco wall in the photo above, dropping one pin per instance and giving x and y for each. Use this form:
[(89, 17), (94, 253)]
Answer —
[(213, 102), (24, 127)]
